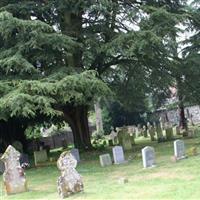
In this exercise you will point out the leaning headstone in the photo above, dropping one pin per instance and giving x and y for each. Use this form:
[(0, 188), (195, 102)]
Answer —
[(148, 157), (2, 166), (179, 149), (75, 153), (14, 176), (40, 157), (70, 181), (105, 160), (118, 155)]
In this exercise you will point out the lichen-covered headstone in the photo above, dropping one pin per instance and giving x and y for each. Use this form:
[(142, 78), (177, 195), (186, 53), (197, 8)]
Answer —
[(70, 181), (14, 176)]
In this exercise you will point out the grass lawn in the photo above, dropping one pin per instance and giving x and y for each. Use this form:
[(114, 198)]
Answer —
[(168, 180)]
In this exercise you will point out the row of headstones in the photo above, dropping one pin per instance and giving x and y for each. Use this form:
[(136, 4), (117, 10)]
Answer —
[(40, 157), (14, 178), (148, 155)]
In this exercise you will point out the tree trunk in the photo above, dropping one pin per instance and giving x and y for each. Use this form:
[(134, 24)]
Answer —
[(10, 131), (182, 121), (77, 118)]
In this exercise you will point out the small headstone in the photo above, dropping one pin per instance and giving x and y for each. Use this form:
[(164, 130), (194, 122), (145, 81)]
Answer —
[(40, 157), (148, 157), (179, 149), (2, 166), (75, 153), (122, 180), (70, 181), (118, 155), (105, 160), (13, 176)]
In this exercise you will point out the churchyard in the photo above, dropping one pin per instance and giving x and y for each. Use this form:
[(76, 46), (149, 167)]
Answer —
[(168, 179)]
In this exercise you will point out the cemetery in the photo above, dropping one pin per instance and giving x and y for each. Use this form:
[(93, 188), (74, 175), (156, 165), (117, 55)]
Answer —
[(99, 100)]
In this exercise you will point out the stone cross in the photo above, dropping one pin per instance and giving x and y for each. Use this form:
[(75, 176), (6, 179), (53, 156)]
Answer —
[(70, 181), (14, 176), (179, 149), (105, 160), (75, 153), (118, 155), (148, 157)]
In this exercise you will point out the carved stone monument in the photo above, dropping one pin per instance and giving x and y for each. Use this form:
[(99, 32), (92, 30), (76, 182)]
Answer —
[(14, 176), (70, 181)]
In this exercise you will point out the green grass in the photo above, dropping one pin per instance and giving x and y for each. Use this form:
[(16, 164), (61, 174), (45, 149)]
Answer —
[(168, 180)]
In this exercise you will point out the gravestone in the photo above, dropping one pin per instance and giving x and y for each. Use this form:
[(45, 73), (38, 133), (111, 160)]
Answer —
[(105, 160), (118, 155), (2, 166), (75, 153), (125, 139), (40, 157), (13, 176), (179, 149), (148, 157), (169, 133), (70, 182)]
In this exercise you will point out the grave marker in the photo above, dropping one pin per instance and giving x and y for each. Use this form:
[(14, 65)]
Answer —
[(179, 149), (118, 155), (105, 160), (148, 157)]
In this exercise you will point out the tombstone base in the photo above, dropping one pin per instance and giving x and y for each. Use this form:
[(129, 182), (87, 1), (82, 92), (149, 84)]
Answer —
[(15, 189), (150, 167), (123, 162), (181, 158)]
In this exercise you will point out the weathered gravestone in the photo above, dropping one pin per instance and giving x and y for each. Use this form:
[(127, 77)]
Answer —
[(169, 133), (105, 160), (179, 149), (70, 181), (40, 157), (148, 157), (75, 153), (118, 155), (13, 176), (125, 139), (2, 166)]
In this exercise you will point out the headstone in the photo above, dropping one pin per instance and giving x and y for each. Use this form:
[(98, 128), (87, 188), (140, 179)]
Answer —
[(105, 160), (40, 157), (2, 166), (125, 139), (13, 176), (148, 157), (118, 155), (169, 133), (75, 153), (179, 149), (70, 181), (18, 146)]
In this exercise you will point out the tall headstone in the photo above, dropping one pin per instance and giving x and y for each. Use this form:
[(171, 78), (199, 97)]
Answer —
[(75, 153), (125, 139), (13, 176), (118, 155), (70, 181), (105, 160), (169, 133), (148, 157), (179, 149)]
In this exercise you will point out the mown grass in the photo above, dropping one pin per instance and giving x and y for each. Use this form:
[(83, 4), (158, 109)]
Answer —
[(168, 180)]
